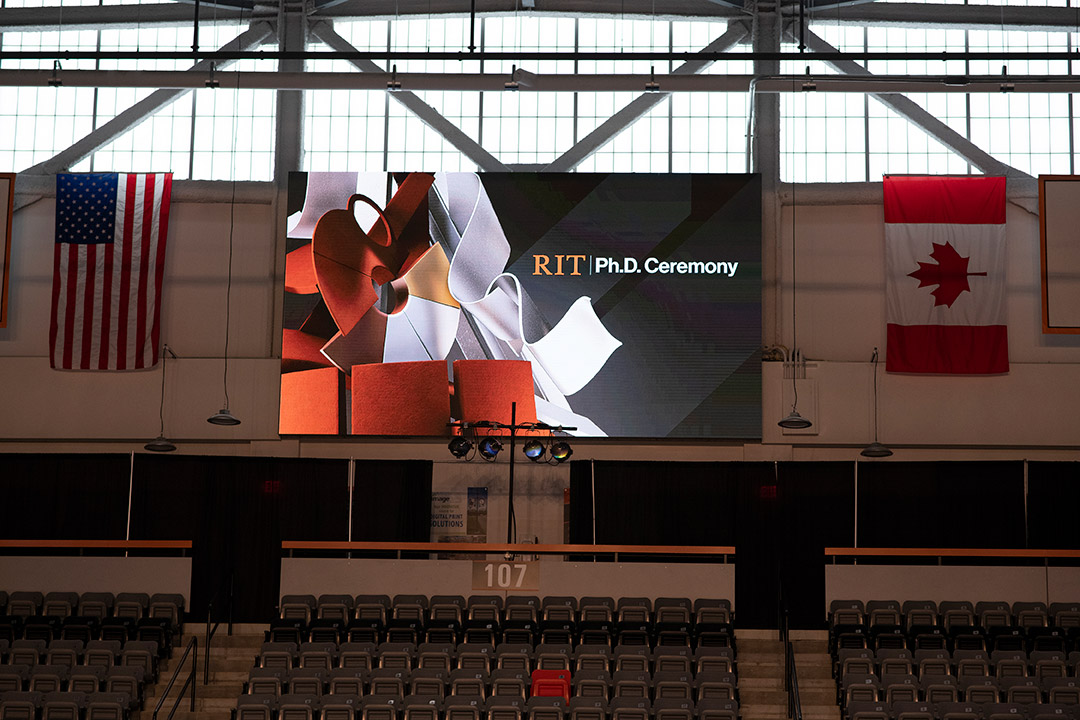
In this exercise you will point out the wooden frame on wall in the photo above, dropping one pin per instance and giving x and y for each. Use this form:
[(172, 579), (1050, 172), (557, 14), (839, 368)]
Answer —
[(7, 209), (1059, 253)]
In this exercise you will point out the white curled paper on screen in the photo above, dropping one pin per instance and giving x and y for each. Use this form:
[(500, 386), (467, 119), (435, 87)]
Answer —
[(573, 351), (325, 191)]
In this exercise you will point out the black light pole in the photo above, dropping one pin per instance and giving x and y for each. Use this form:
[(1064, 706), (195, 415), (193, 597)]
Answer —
[(462, 450)]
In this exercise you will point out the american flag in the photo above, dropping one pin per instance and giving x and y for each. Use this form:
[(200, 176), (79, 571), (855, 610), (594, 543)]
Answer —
[(107, 270)]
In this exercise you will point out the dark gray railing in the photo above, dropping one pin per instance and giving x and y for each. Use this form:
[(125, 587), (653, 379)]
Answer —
[(791, 675), (191, 650)]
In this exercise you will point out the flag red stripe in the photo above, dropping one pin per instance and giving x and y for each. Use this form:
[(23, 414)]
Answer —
[(54, 326), (69, 311), (959, 200), (106, 309), (159, 268), (125, 277), (88, 306), (947, 349), (147, 207)]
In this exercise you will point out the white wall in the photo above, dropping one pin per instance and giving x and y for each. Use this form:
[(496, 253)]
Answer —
[(951, 582), (97, 574), (454, 577), (841, 317)]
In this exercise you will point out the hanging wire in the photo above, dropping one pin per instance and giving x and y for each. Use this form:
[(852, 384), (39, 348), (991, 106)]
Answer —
[(232, 225), (874, 359), (794, 205), (161, 406), (228, 284)]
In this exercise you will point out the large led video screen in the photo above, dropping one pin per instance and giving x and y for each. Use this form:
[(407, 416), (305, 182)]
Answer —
[(619, 305)]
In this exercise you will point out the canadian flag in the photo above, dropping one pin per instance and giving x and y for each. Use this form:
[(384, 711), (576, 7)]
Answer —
[(945, 275)]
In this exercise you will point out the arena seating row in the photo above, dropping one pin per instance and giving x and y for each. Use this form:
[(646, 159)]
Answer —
[(959, 663), (437, 682), (986, 613), (71, 705), (447, 657), (93, 604), (975, 689), (82, 678), (91, 616), (105, 653), (490, 619), (954, 625), (463, 707), (486, 657), (863, 710), (920, 660), (86, 656)]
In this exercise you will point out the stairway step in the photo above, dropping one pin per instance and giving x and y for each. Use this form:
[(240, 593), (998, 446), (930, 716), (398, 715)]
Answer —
[(761, 683), (225, 689), (229, 676), (760, 661), (821, 712), (763, 712), (772, 667), (752, 696), (759, 646), (231, 665), (223, 640)]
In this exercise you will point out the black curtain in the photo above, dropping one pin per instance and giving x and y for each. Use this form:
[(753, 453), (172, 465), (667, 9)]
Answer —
[(237, 511), (941, 504), (392, 501), (818, 511), (581, 504), (64, 497), (1053, 499), (757, 545), (653, 503)]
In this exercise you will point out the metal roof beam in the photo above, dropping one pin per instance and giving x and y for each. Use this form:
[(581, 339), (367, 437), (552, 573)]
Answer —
[(1048, 19), (628, 8), (971, 17), (431, 117), (140, 111), (640, 106), (912, 111), (292, 27), (96, 17)]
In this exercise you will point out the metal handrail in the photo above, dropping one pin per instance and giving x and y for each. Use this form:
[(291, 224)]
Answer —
[(791, 675), (794, 703), (835, 552), (210, 630), (192, 647), (723, 551)]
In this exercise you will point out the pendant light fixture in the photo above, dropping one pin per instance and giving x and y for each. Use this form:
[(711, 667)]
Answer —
[(162, 443), (794, 421), (875, 449), (224, 416)]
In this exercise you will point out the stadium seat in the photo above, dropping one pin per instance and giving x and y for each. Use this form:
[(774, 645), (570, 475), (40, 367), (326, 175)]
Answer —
[(589, 708), (340, 706), (63, 706), (348, 681)]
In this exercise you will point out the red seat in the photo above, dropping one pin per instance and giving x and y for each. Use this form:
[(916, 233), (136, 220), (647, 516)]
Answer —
[(551, 683)]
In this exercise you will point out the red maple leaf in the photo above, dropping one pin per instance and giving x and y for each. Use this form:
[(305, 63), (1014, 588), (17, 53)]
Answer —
[(949, 273)]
